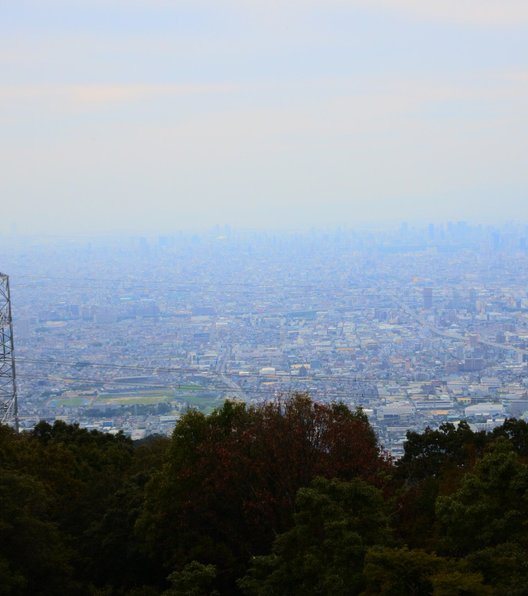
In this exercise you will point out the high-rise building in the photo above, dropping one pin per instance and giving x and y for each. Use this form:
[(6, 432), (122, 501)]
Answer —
[(428, 298), (473, 295)]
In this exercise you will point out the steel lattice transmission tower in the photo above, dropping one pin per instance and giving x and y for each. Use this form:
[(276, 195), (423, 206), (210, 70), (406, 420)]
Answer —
[(8, 388)]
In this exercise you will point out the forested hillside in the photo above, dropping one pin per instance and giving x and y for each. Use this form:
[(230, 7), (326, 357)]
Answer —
[(285, 498)]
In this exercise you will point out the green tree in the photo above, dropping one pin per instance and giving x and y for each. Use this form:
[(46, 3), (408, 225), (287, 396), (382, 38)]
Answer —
[(118, 556), (195, 579), (505, 567), (489, 508), (404, 572), (11, 582), (431, 453), (335, 522), (434, 463), (516, 431), (33, 556)]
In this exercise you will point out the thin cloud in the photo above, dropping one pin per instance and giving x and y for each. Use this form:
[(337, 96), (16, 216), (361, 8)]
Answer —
[(470, 12), (517, 77), (101, 95)]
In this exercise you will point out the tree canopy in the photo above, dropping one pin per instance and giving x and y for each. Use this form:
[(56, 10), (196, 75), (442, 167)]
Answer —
[(288, 497)]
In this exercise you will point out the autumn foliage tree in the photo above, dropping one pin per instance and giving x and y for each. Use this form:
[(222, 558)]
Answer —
[(231, 479), (289, 497)]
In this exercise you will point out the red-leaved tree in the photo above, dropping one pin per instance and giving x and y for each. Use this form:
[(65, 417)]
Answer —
[(229, 485)]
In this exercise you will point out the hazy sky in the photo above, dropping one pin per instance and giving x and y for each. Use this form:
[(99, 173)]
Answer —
[(158, 115)]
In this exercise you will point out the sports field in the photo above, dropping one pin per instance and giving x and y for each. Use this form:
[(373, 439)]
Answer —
[(190, 395)]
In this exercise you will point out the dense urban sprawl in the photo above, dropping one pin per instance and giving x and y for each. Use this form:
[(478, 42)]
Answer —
[(417, 326)]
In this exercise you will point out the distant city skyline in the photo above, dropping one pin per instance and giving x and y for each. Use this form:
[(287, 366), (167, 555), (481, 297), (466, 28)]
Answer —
[(155, 116), (418, 326)]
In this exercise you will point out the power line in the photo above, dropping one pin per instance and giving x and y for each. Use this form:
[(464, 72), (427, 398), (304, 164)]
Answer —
[(83, 364), (341, 393), (321, 285), (189, 370), (158, 282)]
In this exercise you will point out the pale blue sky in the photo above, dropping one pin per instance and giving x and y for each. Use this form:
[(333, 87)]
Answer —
[(152, 115)]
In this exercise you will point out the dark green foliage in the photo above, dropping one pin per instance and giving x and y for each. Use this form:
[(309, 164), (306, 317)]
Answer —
[(194, 579), (334, 523), (504, 566), (490, 507), (403, 572), (285, 498), (58, 485), (434, 464), (34, 559), (432, 453), (516, 432)]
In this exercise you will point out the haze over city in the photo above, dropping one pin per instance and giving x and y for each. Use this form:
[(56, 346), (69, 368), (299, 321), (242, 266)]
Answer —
[(263, 297), (155, 116)]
